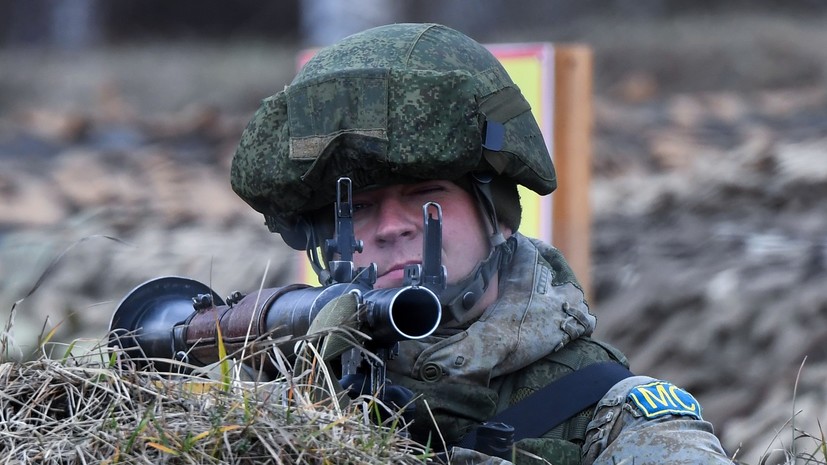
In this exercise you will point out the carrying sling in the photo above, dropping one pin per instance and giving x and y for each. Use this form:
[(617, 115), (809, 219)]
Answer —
[(556, 402)]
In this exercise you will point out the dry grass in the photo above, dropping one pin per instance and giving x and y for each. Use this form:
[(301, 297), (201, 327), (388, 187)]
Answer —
[(800, 448), (94, 409), (85, 403)]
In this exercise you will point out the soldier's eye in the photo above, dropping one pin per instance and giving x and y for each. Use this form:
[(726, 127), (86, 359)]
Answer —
[(360, 206), (428, 189)]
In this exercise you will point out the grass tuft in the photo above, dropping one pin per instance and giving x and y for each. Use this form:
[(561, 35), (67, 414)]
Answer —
[(96, 409)]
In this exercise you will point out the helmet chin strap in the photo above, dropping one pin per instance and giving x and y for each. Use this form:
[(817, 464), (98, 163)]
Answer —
[(458, 298)]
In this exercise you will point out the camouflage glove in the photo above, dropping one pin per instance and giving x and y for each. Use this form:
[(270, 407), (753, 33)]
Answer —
[(456, 407), (332, 323)]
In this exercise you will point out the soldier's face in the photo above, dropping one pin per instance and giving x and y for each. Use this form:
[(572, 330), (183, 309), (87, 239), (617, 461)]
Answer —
[(389, 220)]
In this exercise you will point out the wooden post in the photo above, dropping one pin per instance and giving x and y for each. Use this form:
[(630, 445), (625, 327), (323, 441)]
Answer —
[(573, 121)]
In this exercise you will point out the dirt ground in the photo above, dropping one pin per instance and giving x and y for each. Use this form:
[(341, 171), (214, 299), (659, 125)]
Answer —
[(709, 233)]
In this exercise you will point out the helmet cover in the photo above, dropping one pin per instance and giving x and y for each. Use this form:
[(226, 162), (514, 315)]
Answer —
[(395, 104)]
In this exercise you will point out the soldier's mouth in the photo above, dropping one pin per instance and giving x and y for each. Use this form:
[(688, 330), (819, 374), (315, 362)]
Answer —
[(394, 276)]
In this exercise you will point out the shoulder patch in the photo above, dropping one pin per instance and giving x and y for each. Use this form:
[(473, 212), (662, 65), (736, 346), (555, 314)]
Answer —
[(661, 398)]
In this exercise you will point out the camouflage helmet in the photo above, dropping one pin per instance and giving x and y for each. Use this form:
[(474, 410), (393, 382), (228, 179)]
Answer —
[(393, 104)]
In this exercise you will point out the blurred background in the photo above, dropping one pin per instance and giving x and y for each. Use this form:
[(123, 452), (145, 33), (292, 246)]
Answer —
[(118, 121)]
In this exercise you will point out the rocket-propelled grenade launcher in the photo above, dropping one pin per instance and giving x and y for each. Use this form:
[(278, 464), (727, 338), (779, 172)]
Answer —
[(176, 318)]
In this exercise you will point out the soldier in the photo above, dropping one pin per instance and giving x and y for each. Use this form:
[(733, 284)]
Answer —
[(417, 113)]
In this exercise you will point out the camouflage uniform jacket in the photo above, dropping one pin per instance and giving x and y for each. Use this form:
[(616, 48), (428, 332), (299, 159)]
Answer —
[(536, 332)]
